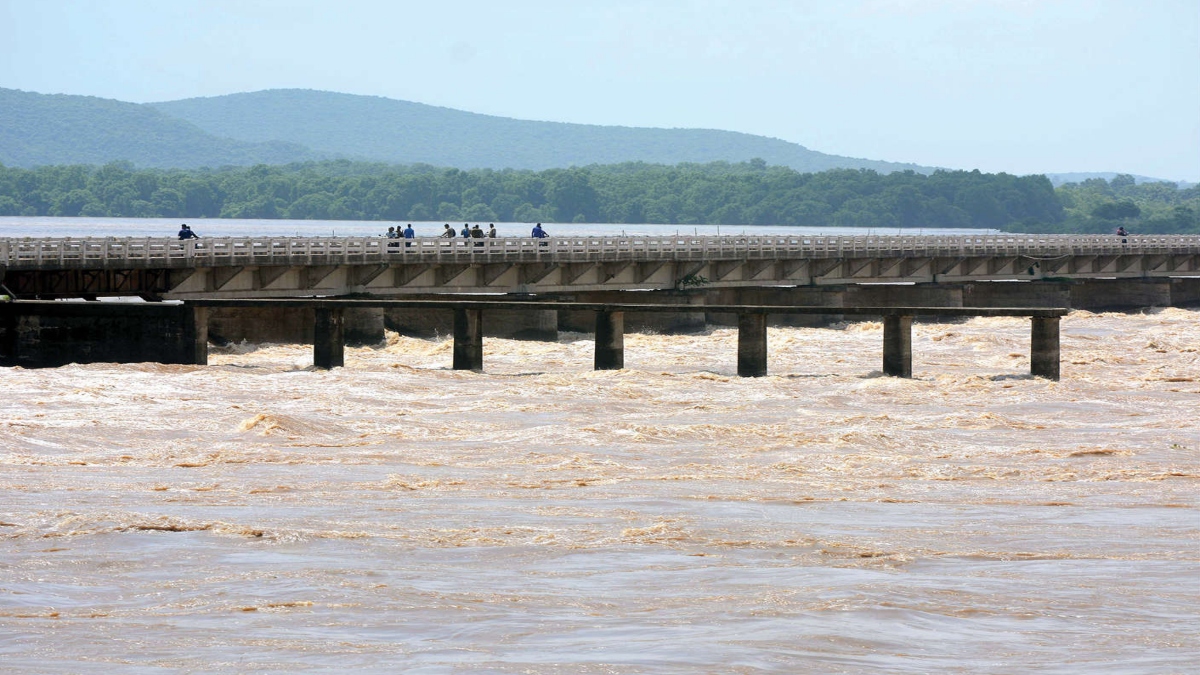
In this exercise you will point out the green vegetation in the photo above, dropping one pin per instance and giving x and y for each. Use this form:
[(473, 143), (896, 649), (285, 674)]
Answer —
[(1097, 205), (40, 129), (402, 132), (719, 193), (747, 193), (282, 126)]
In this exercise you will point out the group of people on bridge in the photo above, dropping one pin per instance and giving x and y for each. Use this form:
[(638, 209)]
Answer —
[(468, 231)]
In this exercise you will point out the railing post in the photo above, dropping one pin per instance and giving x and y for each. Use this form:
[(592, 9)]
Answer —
[(897, 345), (468, 339), (1044, 347), (752, 345), (329, 344), (610, 340)]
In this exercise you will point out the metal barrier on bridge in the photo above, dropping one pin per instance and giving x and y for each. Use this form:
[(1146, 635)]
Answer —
[(167, 252)]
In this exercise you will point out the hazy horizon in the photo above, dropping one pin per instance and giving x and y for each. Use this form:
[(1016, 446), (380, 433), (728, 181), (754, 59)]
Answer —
[(1064, 86)]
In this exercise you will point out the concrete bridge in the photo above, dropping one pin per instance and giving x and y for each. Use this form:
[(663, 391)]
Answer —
[(46, 333), (282, 267)]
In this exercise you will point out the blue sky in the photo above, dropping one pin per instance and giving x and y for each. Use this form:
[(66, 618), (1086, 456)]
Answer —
[(1021, 86)]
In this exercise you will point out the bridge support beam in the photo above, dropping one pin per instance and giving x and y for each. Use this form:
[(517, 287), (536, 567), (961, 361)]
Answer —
[(752, 345), (195, 335), (329, 338), (610, 340), (468, 339), (1044, 348), (897, 346)]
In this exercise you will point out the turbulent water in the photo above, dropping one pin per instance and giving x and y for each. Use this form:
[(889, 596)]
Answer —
[(398, 516)]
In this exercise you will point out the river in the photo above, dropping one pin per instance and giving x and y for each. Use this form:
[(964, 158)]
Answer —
[(257, 515)]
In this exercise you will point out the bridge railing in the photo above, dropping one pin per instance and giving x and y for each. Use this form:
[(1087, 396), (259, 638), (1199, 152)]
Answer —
[(149, 252)]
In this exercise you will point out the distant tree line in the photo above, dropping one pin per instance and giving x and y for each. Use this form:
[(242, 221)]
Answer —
[(747, 193)]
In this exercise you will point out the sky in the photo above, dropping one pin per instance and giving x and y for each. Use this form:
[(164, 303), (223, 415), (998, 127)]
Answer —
[(1022, 86)]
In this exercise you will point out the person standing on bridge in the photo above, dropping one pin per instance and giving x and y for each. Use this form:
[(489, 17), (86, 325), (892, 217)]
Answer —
[(185, 232), (538, 232), (409, 234), (466, 231), (447, 233), (491, 230)]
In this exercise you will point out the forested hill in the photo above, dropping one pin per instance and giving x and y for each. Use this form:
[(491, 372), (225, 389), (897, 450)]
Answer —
[(401, 132), (42, 129)]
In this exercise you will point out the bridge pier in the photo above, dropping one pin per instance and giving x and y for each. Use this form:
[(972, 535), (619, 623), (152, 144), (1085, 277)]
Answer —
[(752, 345), (897, 345), (468, 339), (329, 338), (1044, 348), (195, 335), (610, 340)]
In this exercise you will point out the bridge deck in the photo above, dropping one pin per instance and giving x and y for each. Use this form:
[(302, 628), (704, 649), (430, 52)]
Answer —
[(105, 253), (479, 305)]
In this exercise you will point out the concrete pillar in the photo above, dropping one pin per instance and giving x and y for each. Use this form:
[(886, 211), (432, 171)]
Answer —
[(1119, 294), (610, 340), (468, 339), (1044, 348), (195, 336), (329, 341), (752, 345), (8, 335), (897, 346)]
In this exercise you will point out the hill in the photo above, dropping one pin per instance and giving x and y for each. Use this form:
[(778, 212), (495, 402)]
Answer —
[(402, 132), (1058, 179), (45, 129)]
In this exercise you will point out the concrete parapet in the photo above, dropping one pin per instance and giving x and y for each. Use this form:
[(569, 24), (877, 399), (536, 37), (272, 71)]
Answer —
[(511, 324), (813, 296), (1118, 294), (1017, 294), (639, 322), (363, 326), (900, 295), (1185, 292)]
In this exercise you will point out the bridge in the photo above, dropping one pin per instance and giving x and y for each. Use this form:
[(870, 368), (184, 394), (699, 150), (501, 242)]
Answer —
[(283, 267), (41, 333)]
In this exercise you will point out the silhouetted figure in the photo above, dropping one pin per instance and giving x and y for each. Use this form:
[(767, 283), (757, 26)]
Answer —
[(185, 232)]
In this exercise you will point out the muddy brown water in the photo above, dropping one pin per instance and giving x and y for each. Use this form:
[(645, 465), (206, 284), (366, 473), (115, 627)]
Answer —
[(256, 515)]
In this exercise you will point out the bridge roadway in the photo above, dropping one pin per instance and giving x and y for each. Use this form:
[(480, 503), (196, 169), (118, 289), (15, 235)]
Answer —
[(281, 267)]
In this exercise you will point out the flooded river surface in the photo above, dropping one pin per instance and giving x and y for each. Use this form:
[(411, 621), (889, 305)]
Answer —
[(256, 515)]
